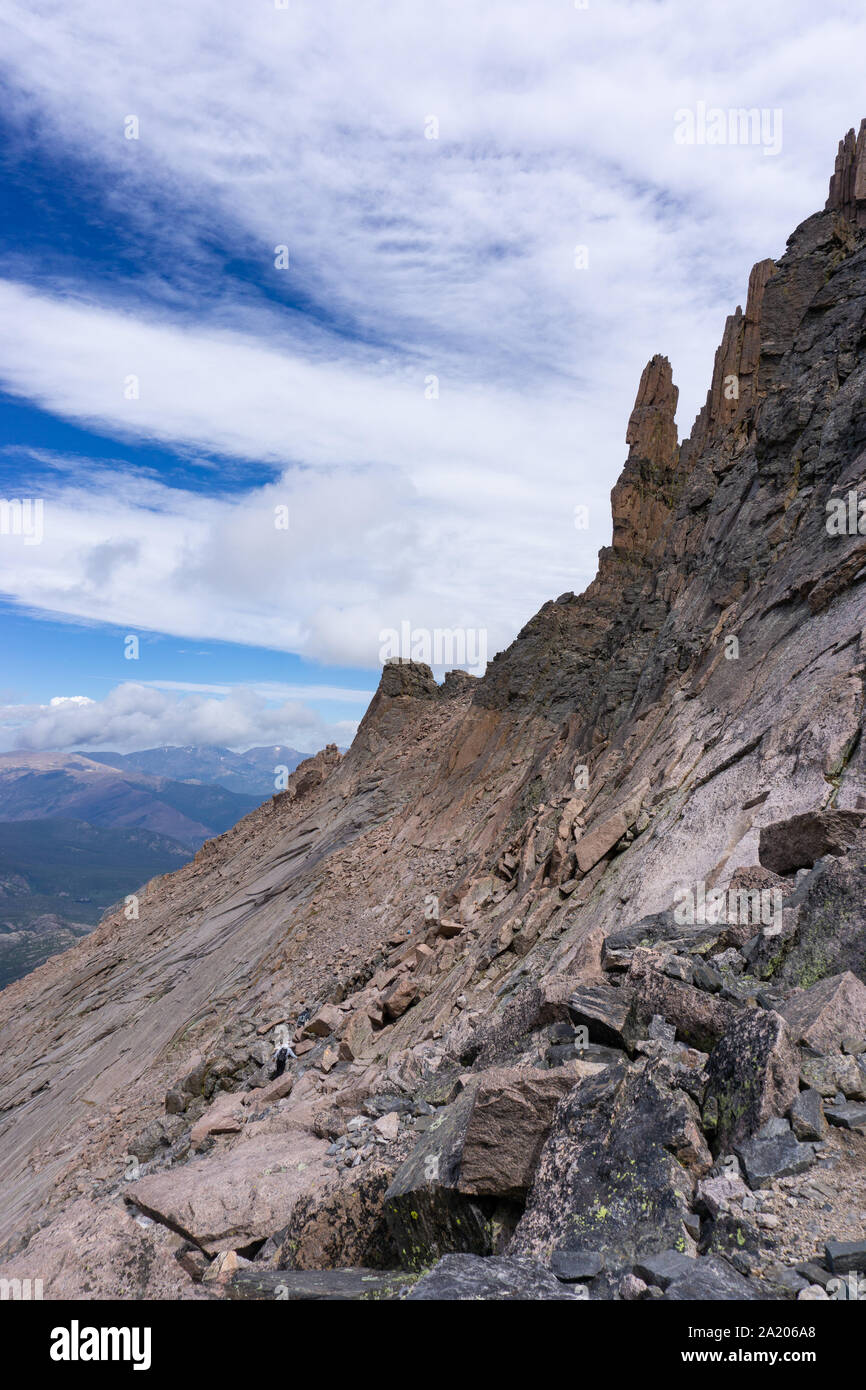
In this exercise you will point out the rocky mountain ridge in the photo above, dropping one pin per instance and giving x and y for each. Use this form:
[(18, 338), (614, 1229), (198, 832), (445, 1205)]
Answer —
[(573, 956)]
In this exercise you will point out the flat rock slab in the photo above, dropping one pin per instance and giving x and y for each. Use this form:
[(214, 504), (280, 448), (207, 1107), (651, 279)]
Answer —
[(225, 1201), (318, 1285), (847, 1116), (713, 1280), (827, 1012), (664, 1268), (845, 1255), (600, 840), (497, 1278), (814, 1274), (224, 1116), (777, 1156), (572, 1265)]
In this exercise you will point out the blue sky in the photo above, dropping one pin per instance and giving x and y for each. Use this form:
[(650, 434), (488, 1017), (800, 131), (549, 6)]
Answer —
[(429, 387)]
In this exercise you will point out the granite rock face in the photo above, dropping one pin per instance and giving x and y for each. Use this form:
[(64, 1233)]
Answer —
[(592, 819), (848, 185)]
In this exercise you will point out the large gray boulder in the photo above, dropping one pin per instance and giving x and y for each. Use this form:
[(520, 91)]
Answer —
[(823, 926), (617, 1173), (753, 1074), (459, 1187)]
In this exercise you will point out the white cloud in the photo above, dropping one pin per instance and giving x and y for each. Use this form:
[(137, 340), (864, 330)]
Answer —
[(272, 690), (306, 127), (134, 716)]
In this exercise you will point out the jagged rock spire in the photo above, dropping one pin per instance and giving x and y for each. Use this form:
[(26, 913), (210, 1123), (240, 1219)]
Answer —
[(734, 391), (848, 185), (642, 496)]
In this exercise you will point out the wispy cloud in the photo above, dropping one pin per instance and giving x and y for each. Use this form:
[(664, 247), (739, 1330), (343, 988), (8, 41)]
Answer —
[(410, 258), (270, 690)]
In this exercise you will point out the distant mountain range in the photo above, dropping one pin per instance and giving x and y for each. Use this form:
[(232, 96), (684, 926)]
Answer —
[(251, 773), (79, 831), (35, 786)]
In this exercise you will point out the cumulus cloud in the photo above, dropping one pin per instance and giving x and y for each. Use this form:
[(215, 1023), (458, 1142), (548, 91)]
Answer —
[(134, 716)]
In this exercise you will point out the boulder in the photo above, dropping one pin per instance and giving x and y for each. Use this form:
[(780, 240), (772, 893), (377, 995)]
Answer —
[(512, 1114), (711, 1279), (266, 1095), (602, 1010), (357, 1036), (752, 1075), (600, 840), (827, 1012), (797, 843), (426, 1212), (716, 1195), (400, 998), (617, 1173), (823, 926), (843, 1256), (662, 1269), (847, 1115), (225, 1116), (773, 1153), (226, 1201), (807, 1116), (479, 1152), (467, 1277), (831, 1074), (388, 1126), (325, 1022), (573, 1265), (699, 1018)]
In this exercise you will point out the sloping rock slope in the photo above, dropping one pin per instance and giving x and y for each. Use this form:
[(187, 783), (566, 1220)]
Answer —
[(529, 1028)]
